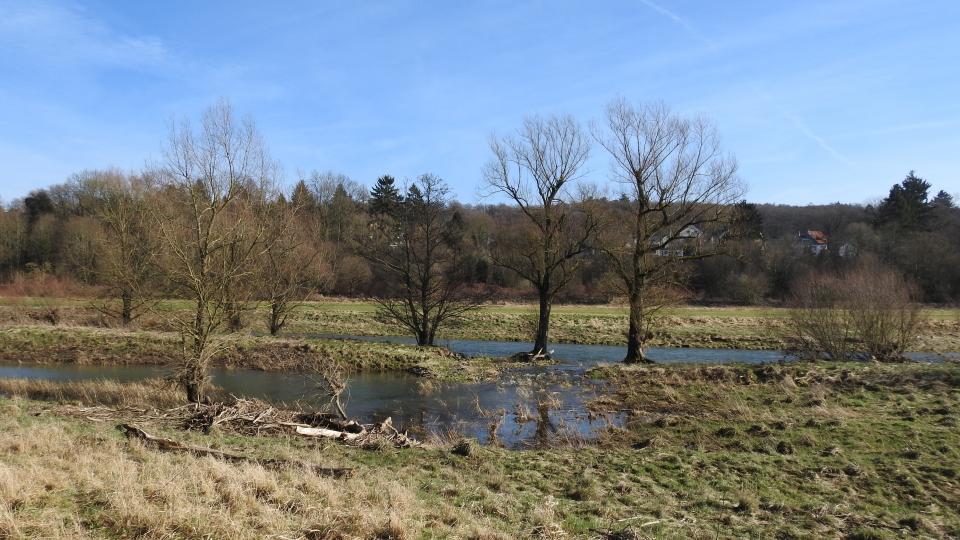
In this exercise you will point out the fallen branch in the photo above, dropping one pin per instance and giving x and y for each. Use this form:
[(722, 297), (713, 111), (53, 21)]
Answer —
[(328, 433), (170, 445), (372, 435)]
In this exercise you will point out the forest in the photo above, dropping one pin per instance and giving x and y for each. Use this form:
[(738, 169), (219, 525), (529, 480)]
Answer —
[(62, 231)]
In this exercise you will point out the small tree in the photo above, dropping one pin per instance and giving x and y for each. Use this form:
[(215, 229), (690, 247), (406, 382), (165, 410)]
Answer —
[(211, 221), (293, 265), (884, 311), (536, 171), (677, 185), (128, 262), (419, 253), (819, 324)]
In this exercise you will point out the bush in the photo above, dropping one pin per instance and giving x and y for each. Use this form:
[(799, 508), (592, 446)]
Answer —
[(868, 313)]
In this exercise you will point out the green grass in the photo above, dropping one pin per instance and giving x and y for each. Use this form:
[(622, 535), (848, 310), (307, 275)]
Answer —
[(689, 326), (85, 345), (829, 450)]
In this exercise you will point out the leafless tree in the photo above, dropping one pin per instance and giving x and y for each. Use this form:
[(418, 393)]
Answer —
[(129, 245), (420, 250), (819, 326), (538, 170), (211, 223), (678, 185), (294, 264)]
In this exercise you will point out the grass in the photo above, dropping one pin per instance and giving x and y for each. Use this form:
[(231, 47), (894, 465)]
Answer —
[(685, 326), (824, 450), (88, 345), (149, 393)]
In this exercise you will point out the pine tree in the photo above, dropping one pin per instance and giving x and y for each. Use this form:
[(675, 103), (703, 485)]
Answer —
[(384, 197), (906, 206), (943, 200), (302, 197)]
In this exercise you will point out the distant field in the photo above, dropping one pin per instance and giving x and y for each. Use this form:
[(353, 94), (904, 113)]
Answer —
[(366, 306), (729, 327)]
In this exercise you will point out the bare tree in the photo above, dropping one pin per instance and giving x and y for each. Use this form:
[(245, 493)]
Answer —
[(819, 326), (420, 252), (537, 170), (129, 245), (294, 265), (212, 227), (677, 185)]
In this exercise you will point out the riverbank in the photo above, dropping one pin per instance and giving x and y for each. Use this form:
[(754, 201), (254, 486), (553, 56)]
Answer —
[(751, 328), (46, 344), (854, 450)]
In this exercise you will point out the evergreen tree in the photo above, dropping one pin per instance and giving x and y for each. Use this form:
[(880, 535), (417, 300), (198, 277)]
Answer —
[(747, 220), (384, 197), (37, 203), (943, 200), (906, 206), (302, 197)]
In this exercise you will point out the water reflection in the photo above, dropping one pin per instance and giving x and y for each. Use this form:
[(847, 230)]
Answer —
[(528, 406)]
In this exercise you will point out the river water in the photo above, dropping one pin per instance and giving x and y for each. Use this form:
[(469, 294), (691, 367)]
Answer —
[(510, 410)]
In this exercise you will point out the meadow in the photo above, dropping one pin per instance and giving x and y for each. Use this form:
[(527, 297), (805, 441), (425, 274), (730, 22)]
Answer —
[(849, 450), (796, 450)]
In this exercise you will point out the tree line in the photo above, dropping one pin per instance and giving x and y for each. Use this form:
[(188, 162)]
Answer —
[(211, 223)]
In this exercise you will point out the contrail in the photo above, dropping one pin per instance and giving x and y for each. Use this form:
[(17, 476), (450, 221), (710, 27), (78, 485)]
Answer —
[(679, 20)]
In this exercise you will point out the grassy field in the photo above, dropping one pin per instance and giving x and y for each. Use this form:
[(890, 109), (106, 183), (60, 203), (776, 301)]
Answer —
[(806, 450), (689, 326)]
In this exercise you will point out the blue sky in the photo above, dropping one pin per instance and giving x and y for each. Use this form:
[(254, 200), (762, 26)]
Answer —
[(820, 101)]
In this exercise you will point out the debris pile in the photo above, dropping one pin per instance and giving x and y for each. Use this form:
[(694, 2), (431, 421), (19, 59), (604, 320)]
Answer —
[(254, 417)]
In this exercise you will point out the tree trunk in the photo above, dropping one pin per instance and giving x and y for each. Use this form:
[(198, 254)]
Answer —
[(635, 333), (543, 324), (194, 392), (234, 320), (275, 323), (126, 309), (423, 337)]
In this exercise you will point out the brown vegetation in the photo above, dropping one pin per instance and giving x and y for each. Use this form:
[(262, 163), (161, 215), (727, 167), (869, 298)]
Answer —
[(870, 312), (152, 393)]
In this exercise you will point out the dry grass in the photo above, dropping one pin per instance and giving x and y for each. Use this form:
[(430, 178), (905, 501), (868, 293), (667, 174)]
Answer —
[(827, 450), (65, 481), (152, 393)]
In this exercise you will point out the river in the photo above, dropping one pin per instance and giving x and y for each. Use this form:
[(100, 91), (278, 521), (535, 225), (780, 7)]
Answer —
[(506, 410)]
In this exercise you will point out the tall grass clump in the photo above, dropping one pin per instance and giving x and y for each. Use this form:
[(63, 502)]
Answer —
[(150, 393)]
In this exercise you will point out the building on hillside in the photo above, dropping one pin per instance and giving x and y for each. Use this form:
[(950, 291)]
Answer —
[(847, 250), (815, 242), (682, 244)]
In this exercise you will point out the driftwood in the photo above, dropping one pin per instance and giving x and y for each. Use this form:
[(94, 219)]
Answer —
[(254, 417), (170, 445), (371, 435)]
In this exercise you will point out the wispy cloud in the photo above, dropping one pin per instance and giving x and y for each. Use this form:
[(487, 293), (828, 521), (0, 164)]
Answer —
[(794, 119), (801, 125), (682, 21), (65, 36)]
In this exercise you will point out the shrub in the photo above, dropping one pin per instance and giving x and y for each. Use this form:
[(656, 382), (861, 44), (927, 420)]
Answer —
[(869, 312)]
